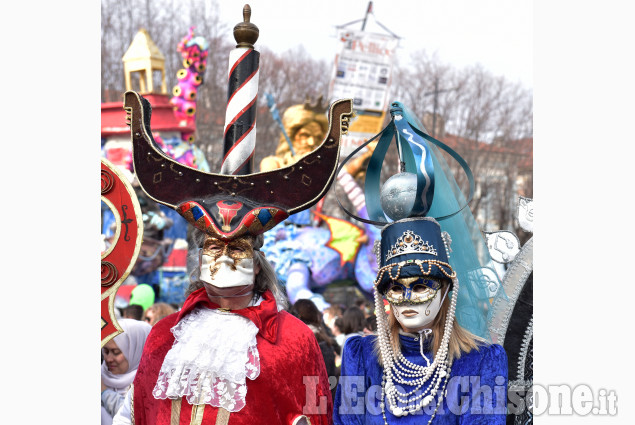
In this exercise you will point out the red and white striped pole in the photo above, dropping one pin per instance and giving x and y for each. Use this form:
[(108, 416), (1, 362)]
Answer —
[(242, 95)]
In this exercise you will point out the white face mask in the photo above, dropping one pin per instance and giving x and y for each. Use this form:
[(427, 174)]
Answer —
[(227, 264), (413, 317), (224, 273)]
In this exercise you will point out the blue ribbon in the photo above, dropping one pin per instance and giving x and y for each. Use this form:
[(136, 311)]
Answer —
[(416, 155)]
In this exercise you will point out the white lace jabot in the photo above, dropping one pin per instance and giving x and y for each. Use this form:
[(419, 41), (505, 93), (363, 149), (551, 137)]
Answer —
[(213, 354)]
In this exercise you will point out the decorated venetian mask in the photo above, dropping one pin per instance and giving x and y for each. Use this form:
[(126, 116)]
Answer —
[(412, 290), (415, 301), (227, 264)]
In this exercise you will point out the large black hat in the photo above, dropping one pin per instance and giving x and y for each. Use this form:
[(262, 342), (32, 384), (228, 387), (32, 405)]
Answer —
[(228, 206)]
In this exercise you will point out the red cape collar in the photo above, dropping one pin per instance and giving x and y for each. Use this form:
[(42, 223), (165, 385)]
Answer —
[(264, 316)]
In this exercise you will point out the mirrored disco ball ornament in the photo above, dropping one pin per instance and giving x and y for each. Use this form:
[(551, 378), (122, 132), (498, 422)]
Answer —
[(397, 195)]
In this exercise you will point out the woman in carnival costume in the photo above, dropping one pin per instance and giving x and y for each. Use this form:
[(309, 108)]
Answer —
[(430, 361)]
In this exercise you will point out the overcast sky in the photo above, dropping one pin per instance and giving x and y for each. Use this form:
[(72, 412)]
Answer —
[(498, 34)]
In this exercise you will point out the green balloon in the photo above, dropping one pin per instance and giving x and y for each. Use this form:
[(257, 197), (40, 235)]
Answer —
[(142, 295)]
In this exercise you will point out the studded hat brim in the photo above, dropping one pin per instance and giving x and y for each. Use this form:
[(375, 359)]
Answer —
[(397, 270)]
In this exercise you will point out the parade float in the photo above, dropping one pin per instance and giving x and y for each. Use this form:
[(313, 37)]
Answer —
[(314, 250), (162, 259)]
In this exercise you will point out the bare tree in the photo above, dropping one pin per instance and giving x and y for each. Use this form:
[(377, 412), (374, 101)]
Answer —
[(483, 117), (289, 77), (486, 118)]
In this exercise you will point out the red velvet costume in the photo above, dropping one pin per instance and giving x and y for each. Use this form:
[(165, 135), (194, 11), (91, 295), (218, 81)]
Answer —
[(284, 390)]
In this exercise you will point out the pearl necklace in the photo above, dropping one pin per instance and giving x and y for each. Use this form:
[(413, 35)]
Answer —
[(399, 370)]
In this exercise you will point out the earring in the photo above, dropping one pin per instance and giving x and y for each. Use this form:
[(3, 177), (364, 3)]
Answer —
[(396, 312)]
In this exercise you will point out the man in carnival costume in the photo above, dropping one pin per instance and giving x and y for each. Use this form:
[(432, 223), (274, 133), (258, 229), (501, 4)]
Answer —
[(231, 354), (424, 365)]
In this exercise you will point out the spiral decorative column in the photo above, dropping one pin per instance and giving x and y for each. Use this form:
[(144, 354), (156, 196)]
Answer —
[(242, 94)]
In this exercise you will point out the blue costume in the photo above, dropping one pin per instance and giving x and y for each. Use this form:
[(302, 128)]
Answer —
[(476, 390)]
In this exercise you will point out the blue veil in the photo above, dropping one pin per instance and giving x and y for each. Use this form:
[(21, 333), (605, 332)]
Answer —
[(469, 256)]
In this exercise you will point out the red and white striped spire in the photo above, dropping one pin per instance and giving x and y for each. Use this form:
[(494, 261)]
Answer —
[(242, 95)]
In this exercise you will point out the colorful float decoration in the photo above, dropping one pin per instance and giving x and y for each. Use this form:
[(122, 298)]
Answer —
[(194, 51), (313, 249), (163, 256), (119, 258)]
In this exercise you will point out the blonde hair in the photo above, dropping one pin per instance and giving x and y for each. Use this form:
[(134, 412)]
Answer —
[(461, 340)]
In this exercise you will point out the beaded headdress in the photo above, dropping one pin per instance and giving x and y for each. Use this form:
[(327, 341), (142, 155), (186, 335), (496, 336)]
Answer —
[(413, 244), (424, 202)]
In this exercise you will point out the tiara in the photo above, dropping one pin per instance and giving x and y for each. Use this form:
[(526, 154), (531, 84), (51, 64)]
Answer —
[(410, 243)]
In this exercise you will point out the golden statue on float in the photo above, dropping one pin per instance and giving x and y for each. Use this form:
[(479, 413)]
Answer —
[(306, 125)]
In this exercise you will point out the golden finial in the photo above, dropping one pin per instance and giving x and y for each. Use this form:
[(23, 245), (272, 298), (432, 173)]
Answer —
[(246, 33)]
